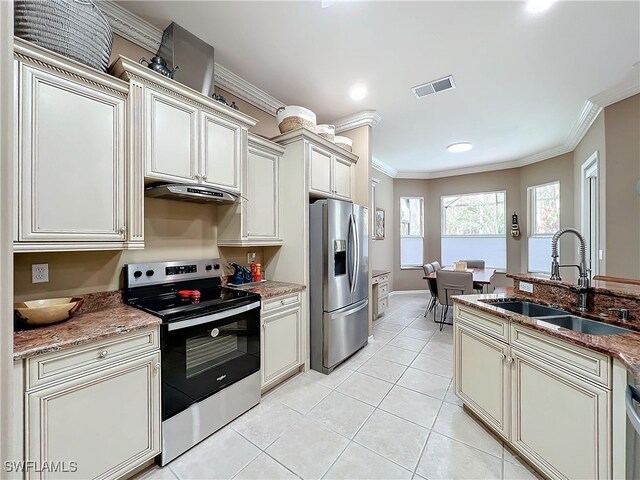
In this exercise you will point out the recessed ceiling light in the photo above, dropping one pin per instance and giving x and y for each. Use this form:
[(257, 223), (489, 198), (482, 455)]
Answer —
[(460, 147), (358, 91), (538, 6)]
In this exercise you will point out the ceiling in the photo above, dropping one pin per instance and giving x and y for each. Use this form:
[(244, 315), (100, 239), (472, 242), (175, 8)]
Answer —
[(522, 80)]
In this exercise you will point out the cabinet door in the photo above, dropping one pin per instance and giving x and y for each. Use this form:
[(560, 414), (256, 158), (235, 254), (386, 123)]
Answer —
[(86, 421), (342, 178), (222, 143), (281, 344), (481, 375), (320, 171), (172, 138), (262, 207), (72, 159), (559, 421)]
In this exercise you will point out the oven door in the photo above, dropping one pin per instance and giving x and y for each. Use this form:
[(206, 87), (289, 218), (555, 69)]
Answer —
[(203, 355)]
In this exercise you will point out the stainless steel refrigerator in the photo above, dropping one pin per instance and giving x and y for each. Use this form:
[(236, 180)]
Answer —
[(339, 281)]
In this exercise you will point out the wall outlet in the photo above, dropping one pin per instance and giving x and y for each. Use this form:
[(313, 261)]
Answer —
[(526, 287), (251, 257), (40, 273)]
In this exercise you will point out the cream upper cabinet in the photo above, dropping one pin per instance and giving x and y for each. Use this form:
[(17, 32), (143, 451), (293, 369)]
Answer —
[(171, 139), (320, 171), (329, 169), (187, 136), (342, 181), (222, 152), (71, 164), (256, 220), (78, 415), (281, 340)]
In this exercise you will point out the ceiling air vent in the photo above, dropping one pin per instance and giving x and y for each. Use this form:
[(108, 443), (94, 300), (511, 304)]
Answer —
[(435, 86)]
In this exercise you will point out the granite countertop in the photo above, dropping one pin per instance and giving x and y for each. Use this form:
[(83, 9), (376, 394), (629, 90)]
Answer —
[(271, 288), (106, 316), (377, 273), (625, 347), (618, 289)]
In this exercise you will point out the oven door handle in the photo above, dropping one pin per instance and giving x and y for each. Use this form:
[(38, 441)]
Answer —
[(212, 318)]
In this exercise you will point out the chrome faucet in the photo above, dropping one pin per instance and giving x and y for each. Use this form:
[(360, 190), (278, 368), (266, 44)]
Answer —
[(583, 279)]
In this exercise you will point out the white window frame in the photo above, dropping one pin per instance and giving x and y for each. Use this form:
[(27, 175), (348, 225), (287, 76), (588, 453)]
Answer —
[(588, 170), (466, 194), (374, 205), (421, 236), (531, 222)]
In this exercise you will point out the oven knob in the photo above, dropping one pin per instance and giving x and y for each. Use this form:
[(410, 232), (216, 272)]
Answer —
[(215, 332), (208, 268), (150, 273), (216, 266), (137, 274)]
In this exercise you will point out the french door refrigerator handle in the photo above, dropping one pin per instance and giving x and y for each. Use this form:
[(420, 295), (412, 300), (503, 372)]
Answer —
[(351, 257), (356, 258)]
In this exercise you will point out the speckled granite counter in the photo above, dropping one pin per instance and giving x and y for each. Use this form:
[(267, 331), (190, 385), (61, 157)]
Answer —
[(625, 348), (103, 315), (271, 288)]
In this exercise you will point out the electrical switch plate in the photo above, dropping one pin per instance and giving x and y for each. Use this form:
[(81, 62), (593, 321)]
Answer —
[(526, 287), (251, 257), (40, 273)]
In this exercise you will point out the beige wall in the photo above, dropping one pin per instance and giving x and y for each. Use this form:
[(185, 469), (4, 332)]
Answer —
[(382, 250), (622, 137), (593, 141)]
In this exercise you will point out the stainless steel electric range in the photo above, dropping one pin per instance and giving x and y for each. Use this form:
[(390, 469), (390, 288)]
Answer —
[(210, 346)]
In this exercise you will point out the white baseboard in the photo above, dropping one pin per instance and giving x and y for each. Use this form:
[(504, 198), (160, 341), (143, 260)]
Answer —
[(370, 338), (408, 292)]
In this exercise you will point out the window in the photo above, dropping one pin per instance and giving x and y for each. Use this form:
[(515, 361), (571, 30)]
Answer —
[(473, 228), (544, 221), (411, 232)]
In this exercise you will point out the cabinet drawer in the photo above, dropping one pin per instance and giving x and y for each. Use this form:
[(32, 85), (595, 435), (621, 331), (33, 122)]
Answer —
[(571, 358), (54, 366), (383, 289), (382, 305), (279, 302), (382, 278), (490, 324)]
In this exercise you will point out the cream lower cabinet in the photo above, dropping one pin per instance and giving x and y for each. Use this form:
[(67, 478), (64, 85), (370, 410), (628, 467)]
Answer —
[(281, 340), (71, 162), (255, 221), (549, 399), (96, 417)]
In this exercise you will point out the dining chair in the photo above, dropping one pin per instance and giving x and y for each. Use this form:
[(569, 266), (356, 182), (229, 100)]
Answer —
[(451, 283), (433, 289), (436, 266), (475, 264)]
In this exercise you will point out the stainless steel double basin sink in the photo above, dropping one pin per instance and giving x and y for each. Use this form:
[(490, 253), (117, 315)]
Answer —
[(559, 318)]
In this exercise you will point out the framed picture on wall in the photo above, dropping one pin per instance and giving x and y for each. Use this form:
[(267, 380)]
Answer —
[(379, 231)]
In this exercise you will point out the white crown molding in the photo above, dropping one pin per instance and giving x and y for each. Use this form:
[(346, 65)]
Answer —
[(130, 26), (383, 167), (366, 117), (248, 92), (147, 36)]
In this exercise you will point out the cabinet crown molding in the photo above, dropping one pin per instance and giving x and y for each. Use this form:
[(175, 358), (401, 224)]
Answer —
[(304, 134), (365, 118), (257, 141), (127, 69)]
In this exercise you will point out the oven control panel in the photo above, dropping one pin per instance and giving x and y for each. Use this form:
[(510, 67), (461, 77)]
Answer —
[(140, 274)]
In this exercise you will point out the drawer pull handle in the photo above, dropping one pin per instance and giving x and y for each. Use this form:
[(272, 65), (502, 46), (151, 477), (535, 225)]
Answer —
[(281, 302), (103, 354), (510, 359)]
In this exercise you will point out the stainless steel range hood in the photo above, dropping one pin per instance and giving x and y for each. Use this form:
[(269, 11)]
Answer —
[(193, 57), (190, 193)]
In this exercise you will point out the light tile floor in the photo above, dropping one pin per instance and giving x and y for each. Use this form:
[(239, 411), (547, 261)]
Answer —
[(388, 412)]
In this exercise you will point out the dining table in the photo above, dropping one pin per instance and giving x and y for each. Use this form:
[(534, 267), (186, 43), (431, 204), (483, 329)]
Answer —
[(480, 275)]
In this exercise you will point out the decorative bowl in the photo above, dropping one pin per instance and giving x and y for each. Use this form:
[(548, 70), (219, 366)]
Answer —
[(294, 117), (48, 311), (344, 142)]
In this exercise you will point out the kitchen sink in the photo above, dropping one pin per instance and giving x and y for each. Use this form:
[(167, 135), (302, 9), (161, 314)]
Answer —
[(529, 309), (583, 325)]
